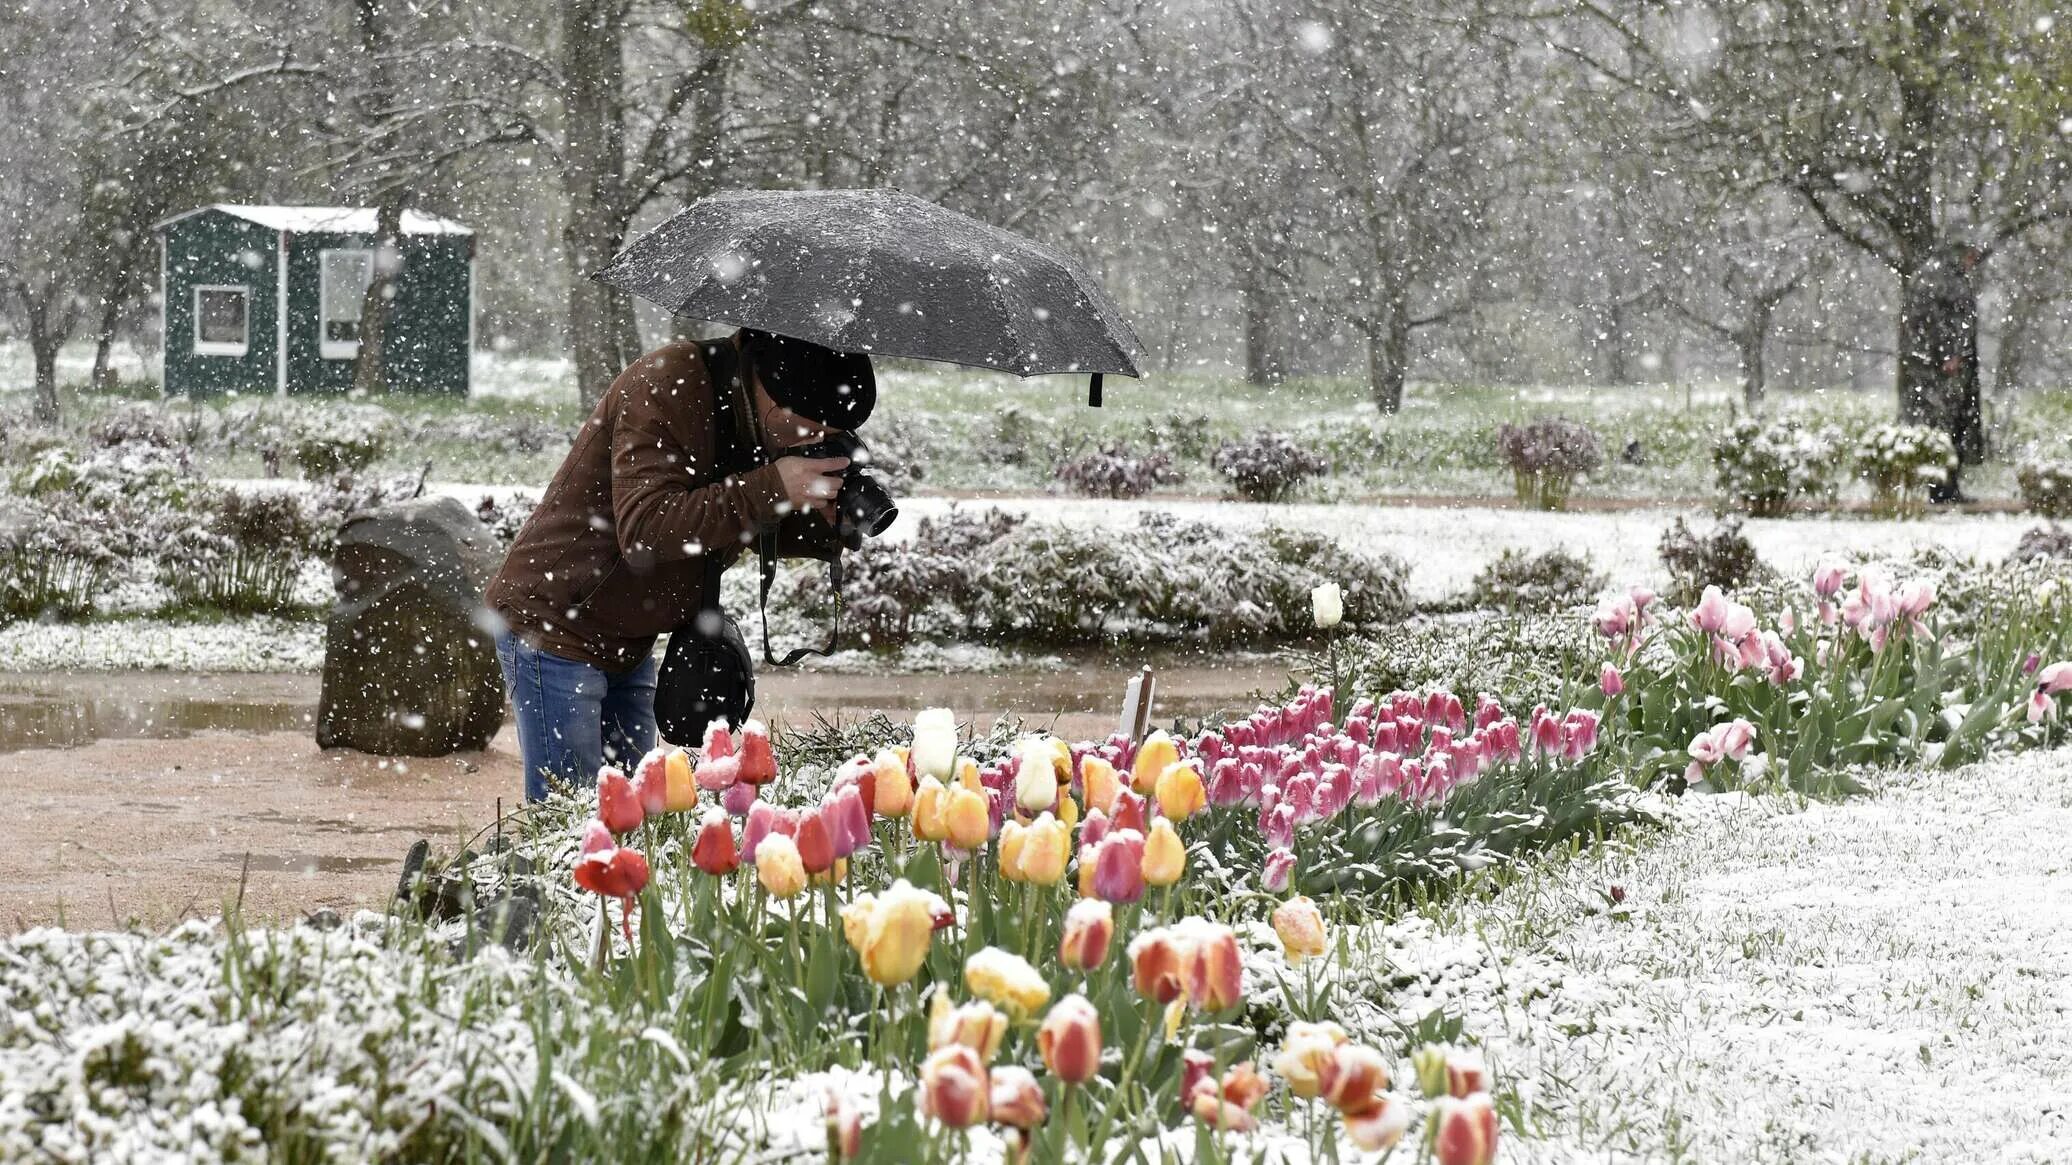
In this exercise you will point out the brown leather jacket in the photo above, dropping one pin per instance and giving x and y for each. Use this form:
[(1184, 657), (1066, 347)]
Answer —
[(615, 554)]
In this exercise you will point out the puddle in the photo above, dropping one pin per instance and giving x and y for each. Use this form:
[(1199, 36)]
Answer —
[(308, 863), (70, 709)]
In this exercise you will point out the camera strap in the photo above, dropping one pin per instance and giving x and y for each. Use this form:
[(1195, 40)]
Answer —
[(766, 549)]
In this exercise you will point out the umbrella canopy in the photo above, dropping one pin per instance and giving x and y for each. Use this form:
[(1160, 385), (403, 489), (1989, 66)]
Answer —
[(883, 273)]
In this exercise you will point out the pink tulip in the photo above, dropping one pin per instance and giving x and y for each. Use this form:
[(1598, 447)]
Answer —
[(1710, 615), (738, 799), (2055, 679), (1092, 828), (1278, 826), (849, 823), (1226, 782), (1610, 682), (1279, 871), (2041, 706), (1827, 581), (1736, 740), (1119, 866), (763, 820)]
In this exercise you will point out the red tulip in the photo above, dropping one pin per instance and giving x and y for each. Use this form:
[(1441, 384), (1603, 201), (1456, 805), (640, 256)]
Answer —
[(1070, 1040), (1089, 928), (844, 1126), (758, 761), (1129, 811), (1160, 965), (816, 844), (611, 870), (714, 850), (954, 1086), (651, 782), (618, 805), (1464, 1130)]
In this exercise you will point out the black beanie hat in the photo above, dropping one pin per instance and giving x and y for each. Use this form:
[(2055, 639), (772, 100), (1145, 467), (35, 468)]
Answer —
[(834, 388)]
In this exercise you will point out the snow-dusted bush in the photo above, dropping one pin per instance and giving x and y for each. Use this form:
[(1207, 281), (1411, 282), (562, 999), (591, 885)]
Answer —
[(507, 516), (1266, 467), (2050, 543), (2046, 487), (1724, 558), (1546, 457), (1763, 467), (51, 563), (1902, 463), (1551, 580), (1115, 471), (241, 553)]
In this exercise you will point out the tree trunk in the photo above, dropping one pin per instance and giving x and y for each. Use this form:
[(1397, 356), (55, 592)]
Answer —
[(1938, 357), (44, 347), (1263, 365), (1388, 351), (1750, 340), (601, 333), (370, 363), (2018, 331)]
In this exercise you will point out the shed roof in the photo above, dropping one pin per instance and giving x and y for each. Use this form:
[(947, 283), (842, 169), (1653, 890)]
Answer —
[(350, 220)]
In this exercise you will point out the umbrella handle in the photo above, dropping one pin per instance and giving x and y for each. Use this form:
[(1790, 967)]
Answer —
[(1093, 391)]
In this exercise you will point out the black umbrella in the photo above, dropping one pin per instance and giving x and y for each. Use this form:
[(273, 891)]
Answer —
[(880, 272)]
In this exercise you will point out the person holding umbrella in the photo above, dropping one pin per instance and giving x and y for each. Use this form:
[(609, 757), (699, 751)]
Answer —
[(677, 470)]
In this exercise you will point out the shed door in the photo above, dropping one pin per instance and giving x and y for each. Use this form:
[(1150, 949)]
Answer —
[(341, 289)]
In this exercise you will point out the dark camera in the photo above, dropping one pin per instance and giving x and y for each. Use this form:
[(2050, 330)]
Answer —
[(864, 508)]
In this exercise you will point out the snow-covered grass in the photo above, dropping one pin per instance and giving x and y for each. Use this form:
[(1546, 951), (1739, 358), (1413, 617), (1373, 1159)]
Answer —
[(1880, 979), (255, 644)]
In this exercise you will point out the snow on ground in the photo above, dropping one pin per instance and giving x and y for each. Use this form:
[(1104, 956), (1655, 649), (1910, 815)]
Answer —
[(259, 644), (1884, 979)]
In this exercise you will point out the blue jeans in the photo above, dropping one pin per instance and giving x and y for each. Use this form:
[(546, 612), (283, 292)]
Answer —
[(574, 718)]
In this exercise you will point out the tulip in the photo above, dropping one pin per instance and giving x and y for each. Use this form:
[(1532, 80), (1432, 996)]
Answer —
[(779, 867), (1228, 1108), (844, 1127), (721, 768), (1464, 1130), (1610, 681), (1279, 873), (1827, 581), (1070, 1040), (651, 783), (1017, 1099), (618, 804), (1710, 615), (678, 780), (1736, 739), (1153, 756), (891, 931), (1046, 846), (1035, 777), (1118, 866), (1093, 829), (608, 868), (738, 799), (1301, 928), (1013, 835), (848, 821), (1305, 1053), (1165, 857), (892, 788), (1129, 811), (816, 847), (930, 800), (1006, 979), (1465, 1074), (1180, 791), (758, 760), (935, 744), (967, 819), (1160, 962), (764, 819), (977, 1025), (1326, 606), (1097, 777), (1089, 929), (954, 1087), (2055, 679), (714, 850), (1352, 1077), (1218, 973), (1379, 1126)]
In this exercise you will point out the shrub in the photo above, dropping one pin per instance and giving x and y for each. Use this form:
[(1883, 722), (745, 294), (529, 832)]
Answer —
[(1014, 435), (1267, 467), (2043, 544), (1725, 558), (1901, 463), (331, 438), (52, 564), (241, 554), (1762, 468), (1552, 580), (1115, 472), (2046, 487), (1546, 456), (505, 518)]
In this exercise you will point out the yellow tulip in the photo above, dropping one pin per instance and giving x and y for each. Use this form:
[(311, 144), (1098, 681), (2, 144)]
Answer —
[(1045, 847), (1012, 836), (967, 775), (778, 867), (1165, 858), (1102, 786), (1008, 980), (1153, 756), (1068, 810), (1309, 1047), (1301, 928), (930, 822), (977, 1025), (1061, 762), (681, 790), (1180, 791), (892, 790), (969, 820), (891, 931)]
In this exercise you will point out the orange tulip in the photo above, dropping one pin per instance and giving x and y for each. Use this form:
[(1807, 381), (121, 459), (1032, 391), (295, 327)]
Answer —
[(1380, 1125), (1180, 791), (930, 801), (1464, 1130), (1301, 928), (1353, 1076), (1305, 1052), (1089, 928), (1097, 778), (894, 792), (1159, 963), (1165, 856), (1017, 1099), (1218, 980), (977, 1025), (1070, 1040), (968, 819), (954, 1087), (1152, 757)]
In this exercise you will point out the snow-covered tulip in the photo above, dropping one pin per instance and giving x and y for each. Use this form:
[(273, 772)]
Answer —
[(1006, 979), (892, 787), (1035, 776), (954, 1087), (1305, 1055), (618, 804), (1013, 836), (815, 843), (891, 931), (848, 821), (758, 759), (1226, 1107), (1165, 855), (1129, 811), (1046, 846), (651, 783), (1300, 926), (1279, 872), (1180, 791), (935, 744), (1152, 757), (1017, 1099), (967, 819), (1464, 1130), (713, 851), (1378, 1127), (1326, 606), (1827, 581), (1710, 615), (844, 1126), (778, 866), (738, 799), (1217, 981), (607, 868), (1610, 681), (1466, 1074), (1089, 929), (931, 821), (1118, 866), (977, 1025), (1160, 963), (1100, 782), (1351, 1079), (1070, 1040), (719, 768), (680, 780)]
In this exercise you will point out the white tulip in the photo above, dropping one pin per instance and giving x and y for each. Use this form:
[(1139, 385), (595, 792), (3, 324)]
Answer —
[(1036, 777), (1327, 604), (935, 744)]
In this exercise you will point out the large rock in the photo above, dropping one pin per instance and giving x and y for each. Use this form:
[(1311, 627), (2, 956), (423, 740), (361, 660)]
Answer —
[(409, 658)]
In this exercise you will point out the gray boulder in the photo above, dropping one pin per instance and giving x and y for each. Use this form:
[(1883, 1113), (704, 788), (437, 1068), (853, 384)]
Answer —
[(410, 663)]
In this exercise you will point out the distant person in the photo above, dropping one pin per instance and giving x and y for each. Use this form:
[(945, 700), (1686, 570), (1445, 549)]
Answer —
[(674, 473)]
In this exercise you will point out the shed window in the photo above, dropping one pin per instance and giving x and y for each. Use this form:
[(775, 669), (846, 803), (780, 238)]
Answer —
[(342, 287), (222, 321)]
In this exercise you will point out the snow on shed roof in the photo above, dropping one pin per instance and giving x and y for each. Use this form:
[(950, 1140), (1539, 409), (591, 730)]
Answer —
[(351, 220)]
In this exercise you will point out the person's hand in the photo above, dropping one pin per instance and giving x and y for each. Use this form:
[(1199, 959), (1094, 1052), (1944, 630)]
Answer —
[(811, 483)]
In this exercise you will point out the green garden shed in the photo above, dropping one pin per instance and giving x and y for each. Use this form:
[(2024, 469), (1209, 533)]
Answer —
[(266, 299)]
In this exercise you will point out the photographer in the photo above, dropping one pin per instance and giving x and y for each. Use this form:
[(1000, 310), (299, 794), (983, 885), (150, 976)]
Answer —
[(678, 470)]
